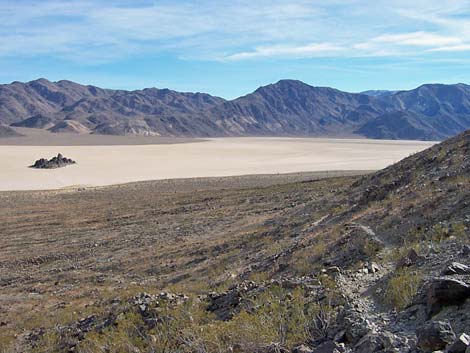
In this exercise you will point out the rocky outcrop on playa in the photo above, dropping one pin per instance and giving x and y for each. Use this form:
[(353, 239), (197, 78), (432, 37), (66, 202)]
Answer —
[(58, 161)]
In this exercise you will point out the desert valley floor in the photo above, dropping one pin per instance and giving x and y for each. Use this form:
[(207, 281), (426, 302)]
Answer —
[(129, 161)]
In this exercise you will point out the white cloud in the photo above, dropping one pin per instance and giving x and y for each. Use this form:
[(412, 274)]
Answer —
[(95, 31), (417, 39), (303, 51), (461, 47)]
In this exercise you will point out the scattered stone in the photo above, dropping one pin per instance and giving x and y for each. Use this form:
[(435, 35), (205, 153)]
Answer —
[(354, 324), (329, 347), (461, 345), (333, 270), (302, 349), (226, 304), (55, 162), (456, 268), (373, 267), (144, 300), (443, 292), (363, 271), (434, 336), (374, 342), (86, 324)]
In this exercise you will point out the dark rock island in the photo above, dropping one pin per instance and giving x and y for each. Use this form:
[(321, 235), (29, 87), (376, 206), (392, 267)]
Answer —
[(55, 162)]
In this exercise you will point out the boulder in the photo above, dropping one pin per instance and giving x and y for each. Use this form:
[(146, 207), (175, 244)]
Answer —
[(375, 342), (411, 258), (434, 336), (443, 292), (456, 268), (461, 345), (353, 325)]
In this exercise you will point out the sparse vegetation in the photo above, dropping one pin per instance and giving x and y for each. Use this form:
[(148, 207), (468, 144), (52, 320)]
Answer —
[(271, 265), (402, 287)]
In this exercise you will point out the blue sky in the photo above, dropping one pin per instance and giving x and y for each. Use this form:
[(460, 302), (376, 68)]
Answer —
[(229, 48)]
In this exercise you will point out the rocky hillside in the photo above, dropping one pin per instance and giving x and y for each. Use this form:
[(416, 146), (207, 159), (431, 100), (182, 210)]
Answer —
[(287, 108), (65, 106), (295, 108), (366, 264)]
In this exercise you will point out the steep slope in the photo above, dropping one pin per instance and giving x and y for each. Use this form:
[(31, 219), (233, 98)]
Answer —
[(439, 110), (19, 101), (149, 111), (295, 108), (400, 125), (286, 108)]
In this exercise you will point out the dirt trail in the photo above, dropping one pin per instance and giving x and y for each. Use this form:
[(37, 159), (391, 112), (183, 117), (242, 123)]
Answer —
[(363, 289)]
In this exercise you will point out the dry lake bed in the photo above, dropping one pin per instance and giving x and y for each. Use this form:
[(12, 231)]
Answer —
[(99, 165)]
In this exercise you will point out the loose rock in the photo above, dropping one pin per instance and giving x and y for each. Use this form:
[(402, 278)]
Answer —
[(443, 292), (460, 345), (456, 268), (435, 335)]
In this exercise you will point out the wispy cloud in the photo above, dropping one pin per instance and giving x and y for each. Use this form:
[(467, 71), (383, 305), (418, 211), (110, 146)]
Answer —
[(451, 48), (98, 31), (302, 51), (420, 39)]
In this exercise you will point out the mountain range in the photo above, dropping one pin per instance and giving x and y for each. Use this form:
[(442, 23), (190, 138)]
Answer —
[(286, 108)]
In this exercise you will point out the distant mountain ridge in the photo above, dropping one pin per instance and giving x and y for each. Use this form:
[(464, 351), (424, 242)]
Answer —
[(286, 108)]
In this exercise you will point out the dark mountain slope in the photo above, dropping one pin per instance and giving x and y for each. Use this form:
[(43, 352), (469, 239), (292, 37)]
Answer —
[(400, 125), (378, 93), (149, 111), (286, 108), (19, 101), (294, 108), (40, 103), (439, 110)]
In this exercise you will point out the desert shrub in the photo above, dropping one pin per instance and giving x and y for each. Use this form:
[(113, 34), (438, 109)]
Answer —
[(49, 343), (439, 232), (302, 260), (259, 277), (402, 287), (460, 231), (275, 316), (127, 335), (7, 338), (278, 317), (370, 248), (395, 254)]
